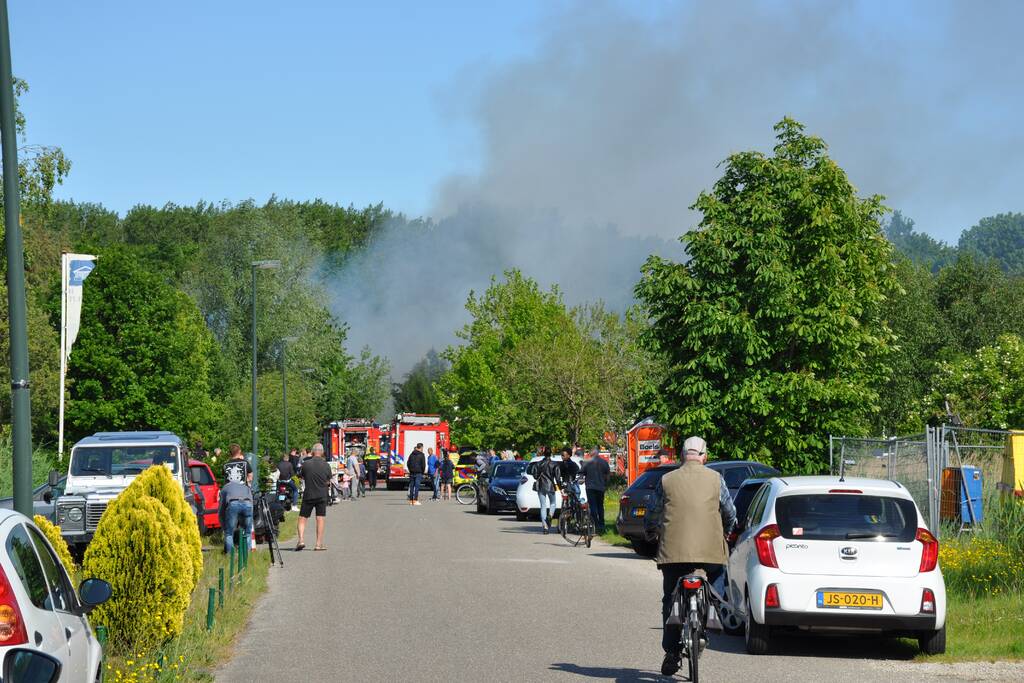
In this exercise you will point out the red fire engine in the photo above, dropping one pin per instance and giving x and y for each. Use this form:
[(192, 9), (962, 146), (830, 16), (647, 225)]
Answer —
[(344, 436), (408, 430)]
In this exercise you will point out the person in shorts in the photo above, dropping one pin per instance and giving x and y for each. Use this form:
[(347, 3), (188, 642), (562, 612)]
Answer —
[(316, 474)]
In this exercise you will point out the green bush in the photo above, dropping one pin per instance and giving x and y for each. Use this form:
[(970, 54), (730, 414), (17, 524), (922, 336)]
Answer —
[(140, 550), (157, 482), (52, 534)]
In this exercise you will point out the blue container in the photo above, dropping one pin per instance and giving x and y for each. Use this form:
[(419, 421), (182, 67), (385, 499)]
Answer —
[(970, 496)]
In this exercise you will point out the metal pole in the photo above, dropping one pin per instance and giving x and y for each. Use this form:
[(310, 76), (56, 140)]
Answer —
[(21, 407), (284, 392), (255, 427)]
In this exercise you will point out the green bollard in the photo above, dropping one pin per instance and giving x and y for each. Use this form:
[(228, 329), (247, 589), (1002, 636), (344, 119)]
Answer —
[(101, 634), (231, 569), (220, 588), (211, 608)]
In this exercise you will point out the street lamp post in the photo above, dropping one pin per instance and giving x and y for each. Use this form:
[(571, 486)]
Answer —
[(284, 386), (256, 265)]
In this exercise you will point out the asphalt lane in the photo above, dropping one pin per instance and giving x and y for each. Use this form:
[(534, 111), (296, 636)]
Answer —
[(438, 592)]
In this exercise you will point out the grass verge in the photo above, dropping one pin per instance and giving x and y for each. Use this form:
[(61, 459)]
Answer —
[(989, 627), (611, 512), (195, 654)]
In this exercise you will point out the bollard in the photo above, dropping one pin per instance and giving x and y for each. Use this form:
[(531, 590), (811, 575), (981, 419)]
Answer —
[(211, 607), (101, 634), (231, 569), (220, 588)]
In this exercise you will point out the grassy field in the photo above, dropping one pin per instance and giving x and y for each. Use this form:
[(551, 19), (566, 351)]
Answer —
[(611, 511), (196, 653), (984, 628)]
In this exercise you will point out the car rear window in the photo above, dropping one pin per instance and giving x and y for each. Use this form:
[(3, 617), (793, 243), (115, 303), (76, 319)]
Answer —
[(648, 480), (734, 476), (846, 516)]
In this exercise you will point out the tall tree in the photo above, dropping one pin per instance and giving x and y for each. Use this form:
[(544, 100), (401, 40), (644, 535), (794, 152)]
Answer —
[(774, 329), (919, 247), (416, 392), (1000, 238)]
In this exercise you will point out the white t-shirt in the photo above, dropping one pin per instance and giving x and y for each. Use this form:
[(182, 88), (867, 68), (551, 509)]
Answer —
[(352, 464)]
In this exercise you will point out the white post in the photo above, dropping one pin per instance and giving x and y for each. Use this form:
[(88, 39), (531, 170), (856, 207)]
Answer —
[(63, 352)]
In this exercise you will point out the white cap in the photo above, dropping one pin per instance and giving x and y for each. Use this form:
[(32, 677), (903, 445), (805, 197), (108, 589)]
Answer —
[(695, 444)]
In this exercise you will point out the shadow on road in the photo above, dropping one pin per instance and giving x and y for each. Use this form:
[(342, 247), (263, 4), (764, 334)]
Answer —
[(842, 647), (618, 556), (608, 673)]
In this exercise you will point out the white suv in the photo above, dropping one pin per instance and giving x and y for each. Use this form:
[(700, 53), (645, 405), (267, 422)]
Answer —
[(824, 552), (40, 608)]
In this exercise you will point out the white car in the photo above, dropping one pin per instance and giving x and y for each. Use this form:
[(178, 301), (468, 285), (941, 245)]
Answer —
[(39, 606), (527, 500), (829, 553)]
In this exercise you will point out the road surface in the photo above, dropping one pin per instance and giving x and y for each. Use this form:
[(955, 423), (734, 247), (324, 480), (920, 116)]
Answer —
[(440, 593)]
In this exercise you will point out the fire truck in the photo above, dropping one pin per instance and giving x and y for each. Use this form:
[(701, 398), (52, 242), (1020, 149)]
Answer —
[(407, 430), (343, 437)]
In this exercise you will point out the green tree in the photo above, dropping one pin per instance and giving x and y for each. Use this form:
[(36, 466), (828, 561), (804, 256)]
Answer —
[(986, 389), (919, 247), (1000, 238), (416, 392), (773, 329), (358, 388), (303, 425), (143, 357), (977, 302)]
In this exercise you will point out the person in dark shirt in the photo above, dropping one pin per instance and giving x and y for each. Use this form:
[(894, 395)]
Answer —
[(285, 474), (567, 472), (316, 473), (416, 463), (237, 468), (597, 473), (236, 513)]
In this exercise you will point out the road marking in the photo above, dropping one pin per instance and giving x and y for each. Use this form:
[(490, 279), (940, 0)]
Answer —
[(510, 559)]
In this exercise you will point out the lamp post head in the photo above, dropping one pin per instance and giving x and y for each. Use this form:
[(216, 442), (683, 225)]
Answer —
[(267, 264)]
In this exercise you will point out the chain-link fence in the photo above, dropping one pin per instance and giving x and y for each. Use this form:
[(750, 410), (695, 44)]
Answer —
[(952, 472)]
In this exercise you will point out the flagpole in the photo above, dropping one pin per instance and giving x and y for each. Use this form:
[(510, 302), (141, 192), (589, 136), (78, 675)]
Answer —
[(63, 351)]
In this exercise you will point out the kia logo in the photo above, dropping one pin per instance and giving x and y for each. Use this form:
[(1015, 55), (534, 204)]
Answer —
[(848, 551)]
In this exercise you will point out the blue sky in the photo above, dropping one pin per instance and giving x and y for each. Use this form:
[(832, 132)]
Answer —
[(604, 111)]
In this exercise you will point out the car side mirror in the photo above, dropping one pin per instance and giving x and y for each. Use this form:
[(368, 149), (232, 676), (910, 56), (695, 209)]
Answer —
[(30, 666), (53, 479), (48, 496), (93, 592)]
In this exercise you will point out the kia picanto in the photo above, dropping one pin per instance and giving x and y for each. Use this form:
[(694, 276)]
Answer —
[(826, 553)]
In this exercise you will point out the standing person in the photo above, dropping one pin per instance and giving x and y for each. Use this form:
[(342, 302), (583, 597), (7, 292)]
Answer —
[(352, 469), (447, 474), (316, 473), (237, 468), (696, 513), (481, 463), (372, 462), (416, 463), (567, 472), (199, 453), (236, 512), (362, 479), (597, 473), (286, 474), (434, 471), (545, 472)]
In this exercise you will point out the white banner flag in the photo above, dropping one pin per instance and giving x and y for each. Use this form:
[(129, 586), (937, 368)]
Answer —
[(74, 269)]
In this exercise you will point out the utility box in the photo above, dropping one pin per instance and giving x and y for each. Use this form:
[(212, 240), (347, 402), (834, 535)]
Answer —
[(1013, 466), (961, 495)]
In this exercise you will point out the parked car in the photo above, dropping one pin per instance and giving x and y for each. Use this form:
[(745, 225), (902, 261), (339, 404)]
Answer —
[(637, 501), (835, 554), (37, 598), (527, 500), (207, 495), (43, 497), (465, 469), (497, 487)]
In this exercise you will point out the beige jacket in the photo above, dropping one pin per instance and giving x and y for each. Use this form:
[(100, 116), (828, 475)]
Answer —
[(692, 524)]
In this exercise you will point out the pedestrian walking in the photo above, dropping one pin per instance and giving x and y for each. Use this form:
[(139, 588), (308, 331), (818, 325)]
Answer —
[(596, 473), (545, 473), (372, 461), (434, 471), (447, 474), (361, 488), (416, 463), (237, 468), (236, 512), (352, 471), (316, 474)]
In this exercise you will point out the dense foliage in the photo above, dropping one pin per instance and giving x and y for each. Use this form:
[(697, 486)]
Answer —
[(774, 328), (60, 546), (1000, 238), (416, 392)]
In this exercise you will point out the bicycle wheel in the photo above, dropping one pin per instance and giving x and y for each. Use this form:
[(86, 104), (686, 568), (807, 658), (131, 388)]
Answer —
[(694, 658), (465, 494), (563, 524), (587, 526)]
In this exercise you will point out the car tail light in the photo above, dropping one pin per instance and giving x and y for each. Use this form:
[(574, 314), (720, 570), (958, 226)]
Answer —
[(845, 491), (765, 549), (771, 597), (928, 601), (731, 537), (12, 626), (624, 501), (692, 583), (929, 550)]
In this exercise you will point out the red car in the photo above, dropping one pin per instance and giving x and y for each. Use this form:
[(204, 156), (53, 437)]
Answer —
[(207, 495)]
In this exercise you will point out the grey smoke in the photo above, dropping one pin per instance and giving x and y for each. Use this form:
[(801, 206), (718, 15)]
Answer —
[(594, 148)]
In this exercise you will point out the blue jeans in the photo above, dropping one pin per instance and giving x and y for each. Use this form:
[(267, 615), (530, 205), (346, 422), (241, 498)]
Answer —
[(547, 506), (238, 514), (437, 486), (294, 489), (414, 486)]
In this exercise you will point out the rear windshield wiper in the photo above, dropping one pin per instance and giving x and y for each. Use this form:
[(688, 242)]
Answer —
[(869, 534)]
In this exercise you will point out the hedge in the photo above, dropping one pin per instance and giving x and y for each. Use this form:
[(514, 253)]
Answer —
[(157, 482), (52, 534)]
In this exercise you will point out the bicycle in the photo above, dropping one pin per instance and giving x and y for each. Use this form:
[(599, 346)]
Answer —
[(575, 523), (695, 597), (466, 493)]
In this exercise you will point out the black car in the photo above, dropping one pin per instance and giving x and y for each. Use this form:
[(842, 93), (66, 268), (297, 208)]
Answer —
[(497, 486), (636, 501)]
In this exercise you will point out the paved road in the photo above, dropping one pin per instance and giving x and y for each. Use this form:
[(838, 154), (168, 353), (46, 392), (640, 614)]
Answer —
[(438, 592)]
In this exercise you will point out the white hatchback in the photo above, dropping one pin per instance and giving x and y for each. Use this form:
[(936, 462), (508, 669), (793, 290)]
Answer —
[(527, 500), (828, 553), (39, 606)]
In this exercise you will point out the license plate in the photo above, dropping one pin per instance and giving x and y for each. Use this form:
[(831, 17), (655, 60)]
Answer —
[(281, 497), (849, 600), (639, 512)]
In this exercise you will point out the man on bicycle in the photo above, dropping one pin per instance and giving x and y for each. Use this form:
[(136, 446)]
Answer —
[(696, 514), (567, 473)]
